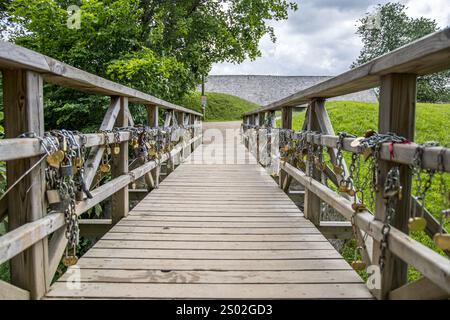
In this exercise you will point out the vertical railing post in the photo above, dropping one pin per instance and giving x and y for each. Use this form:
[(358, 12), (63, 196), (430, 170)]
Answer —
[(192, 123), (312, 201), (261, 120), (24, 112), (397, 115), (153, 121), (286, 123), (120, 199), (152, 116)]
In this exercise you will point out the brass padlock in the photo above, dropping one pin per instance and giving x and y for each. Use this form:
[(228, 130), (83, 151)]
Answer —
[(367, 153), (53, 160), (358, 265), (417, 224), (70, 260), (358, 207), (442, 240), (302, 165), (152, 152), (318, 164), (78, 162), (116, 149), (105, 167), (338, 170)]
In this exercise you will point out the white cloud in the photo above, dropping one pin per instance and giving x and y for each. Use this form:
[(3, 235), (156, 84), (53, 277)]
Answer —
[(320, 39)]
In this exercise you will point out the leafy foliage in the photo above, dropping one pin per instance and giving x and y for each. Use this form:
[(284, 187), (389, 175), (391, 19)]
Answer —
[(161, 47), (388, 28)]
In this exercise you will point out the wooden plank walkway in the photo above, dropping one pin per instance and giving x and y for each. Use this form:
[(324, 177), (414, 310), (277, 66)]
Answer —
[(213, 231)]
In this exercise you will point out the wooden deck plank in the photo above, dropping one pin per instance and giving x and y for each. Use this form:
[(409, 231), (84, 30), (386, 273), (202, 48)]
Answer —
[(214, 231), (213, 245), (212, 254), (213, 291), (236, 277)]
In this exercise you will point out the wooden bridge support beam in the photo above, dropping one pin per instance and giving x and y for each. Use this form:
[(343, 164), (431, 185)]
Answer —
[(120, 201), (286, 123), (286, 118), (397, 114), (152, 178), (24, 112), (312, 201)]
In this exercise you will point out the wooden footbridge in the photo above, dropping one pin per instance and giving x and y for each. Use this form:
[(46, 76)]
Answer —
[(216, 224)]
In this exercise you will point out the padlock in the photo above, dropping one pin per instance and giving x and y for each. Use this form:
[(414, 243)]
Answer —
[(105, 167), (369, 133), (318, 164), (358, 207), (302, 165), (417, 224), (358, 265), (442, 240), (53, 198), (63, 144), (356, 142), (66, 170), (143, 153), (79, 195), (152, 153), (338, 170), (108, 150), (78, 162), (367, 153), (116, 149), (53, 160), (70, 261)]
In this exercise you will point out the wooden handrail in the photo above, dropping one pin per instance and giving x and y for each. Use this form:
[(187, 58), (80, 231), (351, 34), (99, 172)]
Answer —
[(21, 148), (57, 72), (28, 234), (402, 153), (431, 264), (423, 56)]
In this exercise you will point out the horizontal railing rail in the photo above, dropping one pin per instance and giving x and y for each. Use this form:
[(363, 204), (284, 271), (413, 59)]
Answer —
[(424, 56), (53, 71), (38, 233), (396, 74)]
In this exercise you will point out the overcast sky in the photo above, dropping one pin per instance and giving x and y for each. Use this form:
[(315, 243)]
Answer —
[(320, 39)]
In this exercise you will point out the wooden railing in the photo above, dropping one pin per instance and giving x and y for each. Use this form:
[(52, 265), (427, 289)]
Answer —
[(395, 73), (36, 239)]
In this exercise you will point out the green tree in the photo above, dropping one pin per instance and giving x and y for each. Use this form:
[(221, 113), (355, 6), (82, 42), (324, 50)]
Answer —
[(162, 47), (387, 28)]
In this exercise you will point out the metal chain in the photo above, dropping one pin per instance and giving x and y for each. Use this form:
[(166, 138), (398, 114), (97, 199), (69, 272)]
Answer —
[(392, 192)]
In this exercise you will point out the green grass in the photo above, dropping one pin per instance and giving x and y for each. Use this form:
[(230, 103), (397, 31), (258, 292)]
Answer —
[(432, 124), (220, 106)]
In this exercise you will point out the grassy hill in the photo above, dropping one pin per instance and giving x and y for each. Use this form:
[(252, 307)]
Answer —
[(432, 120), (432, 124), (220, 106)]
